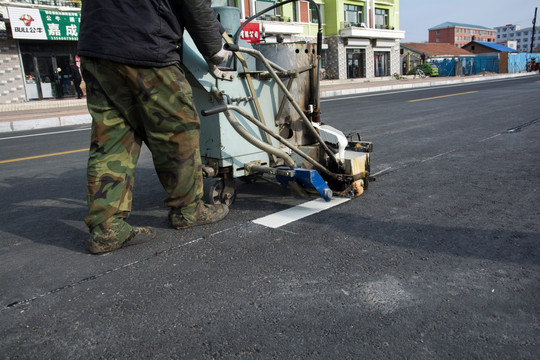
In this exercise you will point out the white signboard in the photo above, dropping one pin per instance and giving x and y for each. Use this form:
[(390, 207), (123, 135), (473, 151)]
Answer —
[(26, 24)]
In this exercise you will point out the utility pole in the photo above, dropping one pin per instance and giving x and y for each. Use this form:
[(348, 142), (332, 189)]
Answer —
[(533, 29)]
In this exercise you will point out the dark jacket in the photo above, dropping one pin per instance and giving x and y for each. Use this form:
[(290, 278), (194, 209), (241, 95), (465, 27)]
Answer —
[(75, 73), (146, 32)]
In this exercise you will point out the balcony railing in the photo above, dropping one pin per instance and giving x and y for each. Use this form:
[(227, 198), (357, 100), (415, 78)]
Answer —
[(274, 18), (350, 24), (66, 3)]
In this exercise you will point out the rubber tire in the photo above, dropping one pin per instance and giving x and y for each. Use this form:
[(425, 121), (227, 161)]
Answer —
[(213, 192)]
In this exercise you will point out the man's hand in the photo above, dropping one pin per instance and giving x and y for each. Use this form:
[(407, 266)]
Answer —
[(220, 57)]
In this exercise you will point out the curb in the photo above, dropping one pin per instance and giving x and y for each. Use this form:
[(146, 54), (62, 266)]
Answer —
[(35, 124)]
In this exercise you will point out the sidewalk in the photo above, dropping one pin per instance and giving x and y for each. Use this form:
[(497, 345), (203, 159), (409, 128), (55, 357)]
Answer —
[(53, 113)]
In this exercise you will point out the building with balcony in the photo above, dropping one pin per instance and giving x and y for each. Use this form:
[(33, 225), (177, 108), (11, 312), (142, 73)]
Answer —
[(520, 39), (361, 38), (459, 34), (38, 39)]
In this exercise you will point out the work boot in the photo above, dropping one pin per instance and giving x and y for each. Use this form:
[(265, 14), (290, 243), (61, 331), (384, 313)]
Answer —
[(202, 214), (108, 241)]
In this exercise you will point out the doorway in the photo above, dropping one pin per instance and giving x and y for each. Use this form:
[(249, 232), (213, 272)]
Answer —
[(356, 63)]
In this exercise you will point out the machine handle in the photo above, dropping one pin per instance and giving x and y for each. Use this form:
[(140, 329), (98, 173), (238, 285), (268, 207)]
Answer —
[(214, 110), (231, 47)]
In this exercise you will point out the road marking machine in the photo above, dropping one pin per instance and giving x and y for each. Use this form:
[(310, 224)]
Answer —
[(262, 117)]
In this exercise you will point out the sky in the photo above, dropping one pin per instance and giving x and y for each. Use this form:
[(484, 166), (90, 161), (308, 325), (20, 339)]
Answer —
[(417, 16)]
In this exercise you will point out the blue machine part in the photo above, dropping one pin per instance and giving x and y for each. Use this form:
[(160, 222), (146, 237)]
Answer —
[(308, 179)]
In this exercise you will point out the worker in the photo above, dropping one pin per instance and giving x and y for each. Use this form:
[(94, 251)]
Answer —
[(76, 78), (137, 92)]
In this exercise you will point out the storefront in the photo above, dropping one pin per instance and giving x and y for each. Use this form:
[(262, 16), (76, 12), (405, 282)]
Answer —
[(47, 41)]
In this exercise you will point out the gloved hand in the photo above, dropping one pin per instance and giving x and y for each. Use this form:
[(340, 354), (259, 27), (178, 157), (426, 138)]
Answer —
[(220, 57)]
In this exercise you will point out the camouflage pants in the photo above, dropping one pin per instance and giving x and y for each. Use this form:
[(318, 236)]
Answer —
[(130, 105)]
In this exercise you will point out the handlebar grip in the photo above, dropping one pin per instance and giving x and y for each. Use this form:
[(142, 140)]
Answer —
[(214, 110), (231, 47)]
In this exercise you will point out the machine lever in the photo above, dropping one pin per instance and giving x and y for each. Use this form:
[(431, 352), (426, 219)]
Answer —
[(214, 110)]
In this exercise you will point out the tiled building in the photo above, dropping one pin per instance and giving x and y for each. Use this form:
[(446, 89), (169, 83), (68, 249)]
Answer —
[(521, 38), (459, 34)]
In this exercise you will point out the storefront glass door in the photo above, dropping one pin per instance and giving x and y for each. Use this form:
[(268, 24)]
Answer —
[(356, 63), (46, 76)]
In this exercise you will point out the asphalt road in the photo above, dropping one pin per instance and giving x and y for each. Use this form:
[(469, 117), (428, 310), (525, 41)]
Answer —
[(439, 259)]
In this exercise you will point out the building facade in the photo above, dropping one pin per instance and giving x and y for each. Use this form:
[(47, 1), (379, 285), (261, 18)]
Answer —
[(520, 39), (37, 42), (459, 34), (361, 38), (38, 39)]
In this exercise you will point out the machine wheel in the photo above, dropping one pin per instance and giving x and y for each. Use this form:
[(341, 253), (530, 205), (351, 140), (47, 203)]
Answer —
[(215, 192)]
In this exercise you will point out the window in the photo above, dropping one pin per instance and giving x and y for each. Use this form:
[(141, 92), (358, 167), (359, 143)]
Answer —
[(313, 13), (438, 32), (260, 5), (438, 40), (381, 18), (354, 14), (382, 63)]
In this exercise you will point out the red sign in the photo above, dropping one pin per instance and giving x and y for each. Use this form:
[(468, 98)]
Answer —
[(251, 32)]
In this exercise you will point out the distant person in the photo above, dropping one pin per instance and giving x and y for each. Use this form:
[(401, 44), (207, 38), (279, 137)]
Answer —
[(58, 83), (137, 92), (76, 79)]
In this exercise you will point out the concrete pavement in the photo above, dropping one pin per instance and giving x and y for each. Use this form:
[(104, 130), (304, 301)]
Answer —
[(53, 113)]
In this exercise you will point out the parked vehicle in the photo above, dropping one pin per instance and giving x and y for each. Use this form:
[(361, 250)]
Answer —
[(428, 69)]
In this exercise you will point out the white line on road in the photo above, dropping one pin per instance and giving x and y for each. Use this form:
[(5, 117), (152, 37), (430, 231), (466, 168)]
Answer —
[(41, 134), (298, 212)]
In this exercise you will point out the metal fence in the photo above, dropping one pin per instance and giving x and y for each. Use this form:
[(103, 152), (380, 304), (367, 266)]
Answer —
[(518, 62), (467, 65), (472, 65)]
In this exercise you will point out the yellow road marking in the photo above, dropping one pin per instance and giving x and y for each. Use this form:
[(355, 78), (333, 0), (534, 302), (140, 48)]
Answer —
[(443, 96), (42, 156)]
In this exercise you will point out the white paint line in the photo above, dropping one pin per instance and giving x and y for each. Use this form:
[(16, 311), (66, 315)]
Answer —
[(382, 171), (41, 134), (298, 212), (436, 156), (489, 138)]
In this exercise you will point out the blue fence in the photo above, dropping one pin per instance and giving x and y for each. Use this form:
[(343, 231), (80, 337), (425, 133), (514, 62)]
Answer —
[(468, 65), (518, 62)]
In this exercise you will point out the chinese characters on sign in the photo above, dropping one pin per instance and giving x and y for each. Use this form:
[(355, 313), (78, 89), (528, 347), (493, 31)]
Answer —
[(251, 32), (39, 24)]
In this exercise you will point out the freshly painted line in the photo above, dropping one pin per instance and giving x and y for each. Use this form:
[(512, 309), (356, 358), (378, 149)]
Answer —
[(382, 171), (443, 96), (41, 134), (489, 138), (298, 212), (42, 156)]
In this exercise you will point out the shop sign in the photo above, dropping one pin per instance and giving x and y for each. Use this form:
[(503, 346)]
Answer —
[(42, 24), (251, 32)]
